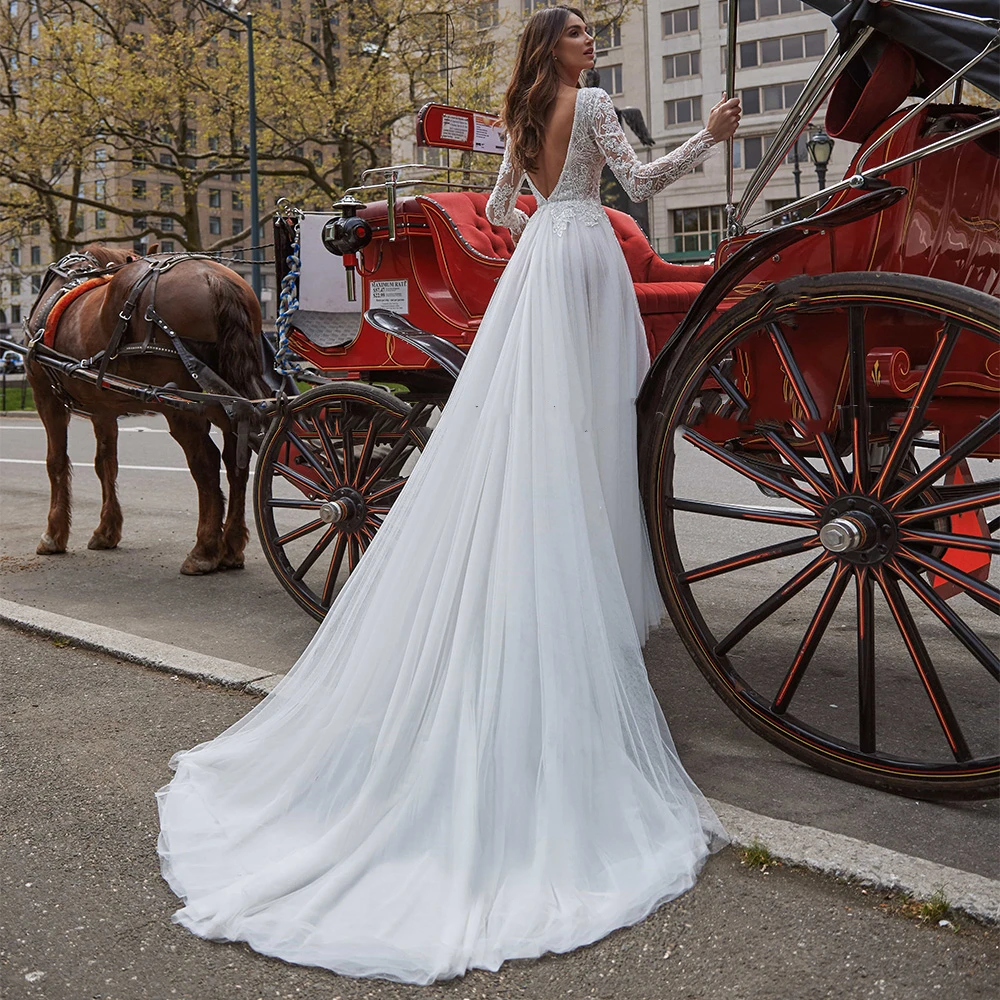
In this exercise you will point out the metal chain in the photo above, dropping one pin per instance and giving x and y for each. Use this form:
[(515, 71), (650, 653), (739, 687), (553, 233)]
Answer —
[(288, 303)]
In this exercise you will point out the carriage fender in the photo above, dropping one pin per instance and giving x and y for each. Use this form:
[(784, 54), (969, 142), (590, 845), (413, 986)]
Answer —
[(737, 267), (444, 352)]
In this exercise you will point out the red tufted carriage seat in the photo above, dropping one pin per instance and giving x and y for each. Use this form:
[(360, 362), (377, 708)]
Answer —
[(472, 252)]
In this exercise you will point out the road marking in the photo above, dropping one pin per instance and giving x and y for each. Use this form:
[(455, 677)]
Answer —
[(121, 430), (133, 468)]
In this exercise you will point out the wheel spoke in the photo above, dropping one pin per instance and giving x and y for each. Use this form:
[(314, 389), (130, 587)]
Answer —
[(752, 558), (860, 412), (978, 501), (294, 504), (334, 571), (315, 552), (299, 532), (389, 460), (865, 586), (817, 627), (319, 423), (302, 482), (925, 668), (307, 453), (763, 515), (387, 491), (782, 595), (971, 542), (371, 437), (913, 422), (955, 624), (990, 596), (795, 377), (353, 553), (347, 436), (738, 464), (795, 460), (955, 454), (731, 391)]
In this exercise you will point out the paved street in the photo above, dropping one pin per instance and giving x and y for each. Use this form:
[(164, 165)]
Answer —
[(246, 616), (86, 916)]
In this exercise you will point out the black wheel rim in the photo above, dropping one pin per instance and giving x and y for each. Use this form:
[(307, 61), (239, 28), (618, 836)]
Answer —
[(343, 452), (915, 704)]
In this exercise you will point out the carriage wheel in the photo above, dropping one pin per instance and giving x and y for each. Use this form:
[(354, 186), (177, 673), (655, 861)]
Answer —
[(845, 615), (327, 474)]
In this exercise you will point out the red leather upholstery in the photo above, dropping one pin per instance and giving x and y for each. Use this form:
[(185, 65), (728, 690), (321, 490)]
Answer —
[(471, 254)]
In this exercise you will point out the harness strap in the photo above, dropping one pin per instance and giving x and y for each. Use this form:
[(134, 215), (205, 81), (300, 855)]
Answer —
[(124, 317)]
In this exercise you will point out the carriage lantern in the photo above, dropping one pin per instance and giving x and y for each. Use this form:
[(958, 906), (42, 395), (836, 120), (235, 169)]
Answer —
[(820, 147), (346, 235)]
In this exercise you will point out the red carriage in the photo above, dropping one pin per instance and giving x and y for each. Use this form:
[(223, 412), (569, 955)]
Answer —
[(821, 410)]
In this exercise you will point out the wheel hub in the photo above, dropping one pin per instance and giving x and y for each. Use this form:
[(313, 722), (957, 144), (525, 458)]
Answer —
[(345, 508), (858, 529)]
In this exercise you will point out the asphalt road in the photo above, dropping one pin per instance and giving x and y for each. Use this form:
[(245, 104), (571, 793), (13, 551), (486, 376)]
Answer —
[(246, 616), (85, 914)]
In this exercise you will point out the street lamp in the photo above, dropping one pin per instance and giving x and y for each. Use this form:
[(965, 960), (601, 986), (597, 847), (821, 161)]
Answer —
[(820, 147), (247, 21)]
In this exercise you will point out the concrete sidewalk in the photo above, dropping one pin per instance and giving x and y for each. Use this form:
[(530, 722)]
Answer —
[(86, 915)]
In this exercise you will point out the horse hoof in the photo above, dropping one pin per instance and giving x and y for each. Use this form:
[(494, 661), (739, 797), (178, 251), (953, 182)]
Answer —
[(49, 547), (100, 542), (231, 562), (198, 567)]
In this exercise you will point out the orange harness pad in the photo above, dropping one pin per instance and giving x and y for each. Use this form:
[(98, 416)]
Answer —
[(52, 323)]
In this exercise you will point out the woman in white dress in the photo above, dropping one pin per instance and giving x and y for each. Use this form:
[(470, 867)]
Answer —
[(467, 763)]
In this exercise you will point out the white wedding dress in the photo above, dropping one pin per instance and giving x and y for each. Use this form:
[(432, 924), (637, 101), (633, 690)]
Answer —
[(467, 763)]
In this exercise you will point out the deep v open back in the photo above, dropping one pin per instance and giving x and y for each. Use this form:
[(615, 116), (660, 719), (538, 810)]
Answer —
[(569, 142)]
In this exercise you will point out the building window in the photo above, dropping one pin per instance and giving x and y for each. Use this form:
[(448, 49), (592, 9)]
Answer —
[(237, 201), (15, 256), (166, 246), (166, 159), (698, 230), (682, 111), (776, 97), (608, 37), (317, 157), (214, 198), (611, 78), (139, 222), (236, 178), (167, 194), (787, 48), (215, 225), (237, 225), (35, 229), (100, 219), (101, 189), (166, 224), (681, 65), (15, 286), (487, 14), (679, 22), (36, 284), (754, 10), (36, 255), (33, 30), (139, 190), (100, 156), (138, 160), (15, 314)]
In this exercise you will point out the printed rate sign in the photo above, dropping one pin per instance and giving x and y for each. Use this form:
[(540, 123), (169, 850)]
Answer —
[(445, 127)]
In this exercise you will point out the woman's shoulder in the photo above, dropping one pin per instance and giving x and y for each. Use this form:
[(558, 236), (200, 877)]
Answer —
[(594, 97)]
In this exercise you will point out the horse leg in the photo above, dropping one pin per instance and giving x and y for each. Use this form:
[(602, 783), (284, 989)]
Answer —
[(234, 531), (109, 529), (192, 434), (55, 418)]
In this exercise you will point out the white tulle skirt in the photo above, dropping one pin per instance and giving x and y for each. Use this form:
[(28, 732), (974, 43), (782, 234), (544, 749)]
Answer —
[(467, 763)]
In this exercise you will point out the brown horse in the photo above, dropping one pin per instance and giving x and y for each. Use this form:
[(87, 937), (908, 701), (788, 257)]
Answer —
[(218, 316)]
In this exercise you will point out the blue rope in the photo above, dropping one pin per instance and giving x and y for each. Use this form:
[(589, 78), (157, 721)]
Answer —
[(288, 304)]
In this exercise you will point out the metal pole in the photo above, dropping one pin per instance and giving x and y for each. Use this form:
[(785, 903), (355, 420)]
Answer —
[(733, 13), (796, 173), (255, 233)]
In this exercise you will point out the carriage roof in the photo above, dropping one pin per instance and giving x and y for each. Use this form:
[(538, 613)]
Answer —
[(927, 31)]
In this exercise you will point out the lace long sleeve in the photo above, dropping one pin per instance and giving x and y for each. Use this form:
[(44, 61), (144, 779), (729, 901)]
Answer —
[(501, 208), (643, 180)]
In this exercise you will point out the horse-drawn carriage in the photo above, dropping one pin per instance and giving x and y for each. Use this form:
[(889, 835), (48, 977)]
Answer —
[(820, 412)]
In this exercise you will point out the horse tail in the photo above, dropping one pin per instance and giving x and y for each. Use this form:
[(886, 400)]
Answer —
[(240, 359)]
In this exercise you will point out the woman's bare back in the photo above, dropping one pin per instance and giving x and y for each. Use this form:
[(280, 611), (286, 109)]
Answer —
[(555, 146)]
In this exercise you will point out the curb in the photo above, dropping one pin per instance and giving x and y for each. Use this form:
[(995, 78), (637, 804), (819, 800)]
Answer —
[(832, 854)]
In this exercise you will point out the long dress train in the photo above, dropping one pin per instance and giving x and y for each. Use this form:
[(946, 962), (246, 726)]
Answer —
[(467, 763)]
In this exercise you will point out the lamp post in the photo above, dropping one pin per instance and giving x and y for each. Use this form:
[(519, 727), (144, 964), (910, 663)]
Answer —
[(247, 21), (820, 147)]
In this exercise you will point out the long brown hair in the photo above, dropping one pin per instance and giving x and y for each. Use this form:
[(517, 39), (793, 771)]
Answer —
[(534, 84)]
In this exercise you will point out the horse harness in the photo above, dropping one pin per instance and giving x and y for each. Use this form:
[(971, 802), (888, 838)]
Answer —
[(80, 280)]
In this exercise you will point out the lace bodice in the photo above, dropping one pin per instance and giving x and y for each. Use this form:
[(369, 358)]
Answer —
[(596, 138)]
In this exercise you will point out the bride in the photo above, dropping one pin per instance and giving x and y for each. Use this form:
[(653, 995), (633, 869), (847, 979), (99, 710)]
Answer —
[(467, 763)]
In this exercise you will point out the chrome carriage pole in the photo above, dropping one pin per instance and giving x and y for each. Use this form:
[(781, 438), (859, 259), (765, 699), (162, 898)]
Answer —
[(733, 13)]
